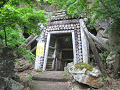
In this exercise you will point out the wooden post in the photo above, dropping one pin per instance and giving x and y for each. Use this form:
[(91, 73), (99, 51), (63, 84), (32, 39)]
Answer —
[(93, 48), (74, 48), (29, 38), (60, 67), (53, 63), (33, 49), (98, 40), (59, 64), (32, 40), (46, 51), (85, 46), (56, 64)]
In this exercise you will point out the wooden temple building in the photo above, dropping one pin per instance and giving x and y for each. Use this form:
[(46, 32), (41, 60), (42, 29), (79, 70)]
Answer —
[(63, 42)]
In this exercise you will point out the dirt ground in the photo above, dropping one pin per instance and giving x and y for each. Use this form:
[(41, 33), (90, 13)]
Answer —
[(113, 84)]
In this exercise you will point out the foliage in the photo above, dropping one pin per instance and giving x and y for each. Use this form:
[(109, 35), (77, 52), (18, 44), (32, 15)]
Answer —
[(16, 17), (106, 80), (29, 72), (88, 89), (92, 57), (64, 74), (104, 55), (69, 85), (30, 77)]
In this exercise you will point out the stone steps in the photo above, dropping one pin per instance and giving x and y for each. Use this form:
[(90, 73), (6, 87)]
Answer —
[(50, 80), (46, 85), (56, 76)]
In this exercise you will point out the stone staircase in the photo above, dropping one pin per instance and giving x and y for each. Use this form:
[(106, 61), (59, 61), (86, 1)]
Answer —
[(50, 80)]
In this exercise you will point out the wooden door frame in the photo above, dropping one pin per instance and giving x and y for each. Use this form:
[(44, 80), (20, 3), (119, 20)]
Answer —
[(48, 42)]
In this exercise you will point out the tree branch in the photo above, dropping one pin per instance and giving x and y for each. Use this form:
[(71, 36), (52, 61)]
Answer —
[(5, 36), (9, 23), (6, 24)]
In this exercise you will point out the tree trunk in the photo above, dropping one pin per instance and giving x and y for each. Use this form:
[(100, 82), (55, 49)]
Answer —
[(24, 68), (5, 36)]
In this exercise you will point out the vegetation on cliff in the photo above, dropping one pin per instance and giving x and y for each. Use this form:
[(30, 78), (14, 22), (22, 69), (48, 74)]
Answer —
[(16, 17), (95, 10)]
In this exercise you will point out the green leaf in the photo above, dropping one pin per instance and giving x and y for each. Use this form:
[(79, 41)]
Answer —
[(82, 66), (108, 79)]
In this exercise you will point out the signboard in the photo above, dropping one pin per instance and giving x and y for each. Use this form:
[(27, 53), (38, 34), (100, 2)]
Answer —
[(40, 49)]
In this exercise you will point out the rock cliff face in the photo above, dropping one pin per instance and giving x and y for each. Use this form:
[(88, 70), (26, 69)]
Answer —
[(46, 6), (113, 35), (113, 59), (113, 63), (7, 57), (87, 75), (6, 61), (102, 26)]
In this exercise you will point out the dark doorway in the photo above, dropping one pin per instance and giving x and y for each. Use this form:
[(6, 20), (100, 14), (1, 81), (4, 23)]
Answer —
[(63, 51)]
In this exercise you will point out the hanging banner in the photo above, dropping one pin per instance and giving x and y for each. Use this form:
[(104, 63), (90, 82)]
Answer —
[(40, 49)]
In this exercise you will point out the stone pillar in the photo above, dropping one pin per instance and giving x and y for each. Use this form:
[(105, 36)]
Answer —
[(39, 59), (85, 43)]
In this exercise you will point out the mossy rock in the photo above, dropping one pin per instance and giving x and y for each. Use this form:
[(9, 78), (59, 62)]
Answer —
[(84, 65), (38, 70), (71, 69), (16, 78)]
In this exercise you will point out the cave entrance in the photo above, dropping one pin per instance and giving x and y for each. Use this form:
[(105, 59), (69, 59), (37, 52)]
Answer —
[(60, 50)]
